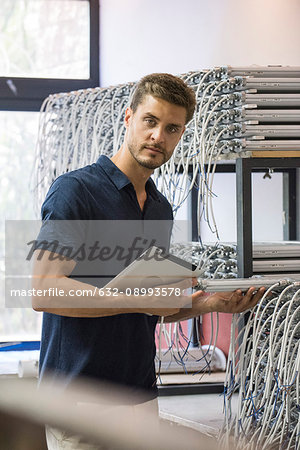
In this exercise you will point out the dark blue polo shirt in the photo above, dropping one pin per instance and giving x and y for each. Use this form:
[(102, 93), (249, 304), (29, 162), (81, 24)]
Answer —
[(119, 348)]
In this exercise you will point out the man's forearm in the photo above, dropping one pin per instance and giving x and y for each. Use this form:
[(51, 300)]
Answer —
[(68, 297), (60, 294)]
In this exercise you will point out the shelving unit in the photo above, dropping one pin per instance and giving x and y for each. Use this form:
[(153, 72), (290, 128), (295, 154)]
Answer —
[(244, 169)]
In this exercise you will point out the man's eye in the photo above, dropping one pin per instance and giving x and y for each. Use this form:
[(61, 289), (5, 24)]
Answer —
[(173, 129), (150, 121)]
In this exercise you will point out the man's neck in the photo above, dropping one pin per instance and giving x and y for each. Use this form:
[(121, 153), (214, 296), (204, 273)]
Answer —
[(137, 174)]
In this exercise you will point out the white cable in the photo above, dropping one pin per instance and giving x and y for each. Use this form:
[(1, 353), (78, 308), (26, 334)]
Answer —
[(267, 373)]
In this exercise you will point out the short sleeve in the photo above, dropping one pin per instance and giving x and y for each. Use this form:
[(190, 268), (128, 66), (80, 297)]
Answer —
[(64, 216)]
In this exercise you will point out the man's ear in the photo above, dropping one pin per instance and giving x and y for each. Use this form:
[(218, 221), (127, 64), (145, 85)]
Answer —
[(128, 115)]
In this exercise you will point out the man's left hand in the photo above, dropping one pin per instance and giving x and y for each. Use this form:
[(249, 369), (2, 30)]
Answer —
[(226, 302)]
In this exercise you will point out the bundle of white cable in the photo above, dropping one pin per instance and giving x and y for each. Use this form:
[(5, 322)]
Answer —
[(79, 126), (179, 346), (214, 260), (198, 146), (264, 364), (181, 351), (76, 127)]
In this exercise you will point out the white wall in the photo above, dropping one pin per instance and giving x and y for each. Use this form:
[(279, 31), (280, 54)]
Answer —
[(267, 200), (144, 36)]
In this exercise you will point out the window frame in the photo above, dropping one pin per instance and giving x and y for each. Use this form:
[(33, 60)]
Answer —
[(33, 91)]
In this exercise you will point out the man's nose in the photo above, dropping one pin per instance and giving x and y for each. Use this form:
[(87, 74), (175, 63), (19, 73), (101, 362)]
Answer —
[(158, 134)]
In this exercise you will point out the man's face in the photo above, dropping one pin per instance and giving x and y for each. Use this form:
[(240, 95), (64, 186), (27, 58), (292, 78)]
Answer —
[(153, 131)]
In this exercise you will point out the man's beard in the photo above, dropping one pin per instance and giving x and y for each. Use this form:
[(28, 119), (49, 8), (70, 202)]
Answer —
[(148, 163)]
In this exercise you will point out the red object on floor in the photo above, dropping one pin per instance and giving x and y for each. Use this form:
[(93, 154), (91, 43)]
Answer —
[(223, 339)]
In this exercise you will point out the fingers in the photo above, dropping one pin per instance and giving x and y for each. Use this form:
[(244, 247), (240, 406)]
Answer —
[(198, 294), (253, 294), (233, 302), (249, 299), (257, 296)]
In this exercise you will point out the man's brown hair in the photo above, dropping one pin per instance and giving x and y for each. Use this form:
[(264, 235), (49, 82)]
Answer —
[(166, 87)]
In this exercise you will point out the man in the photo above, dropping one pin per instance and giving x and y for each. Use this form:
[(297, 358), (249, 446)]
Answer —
[(106, 340)]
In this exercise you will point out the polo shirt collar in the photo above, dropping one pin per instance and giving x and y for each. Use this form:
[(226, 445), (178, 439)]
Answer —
[(151, 189), (120, 180)]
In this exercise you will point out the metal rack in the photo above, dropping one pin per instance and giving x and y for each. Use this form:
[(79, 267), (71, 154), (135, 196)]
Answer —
[(244, 169)]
